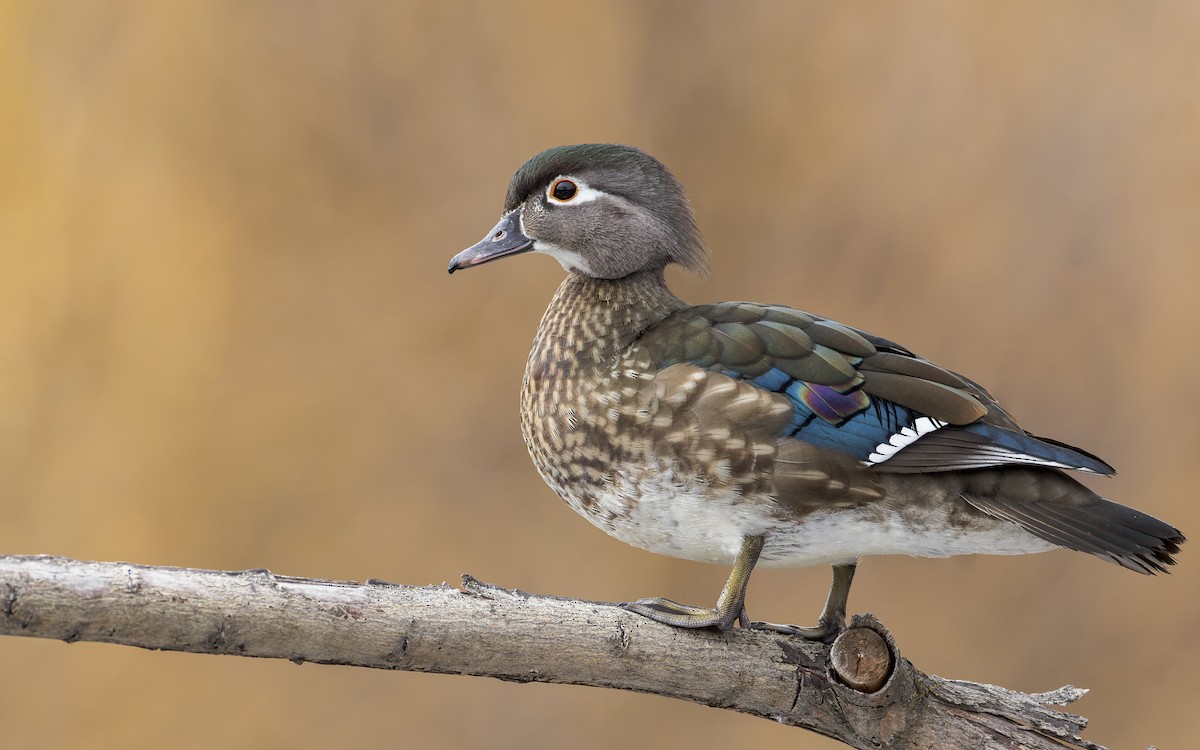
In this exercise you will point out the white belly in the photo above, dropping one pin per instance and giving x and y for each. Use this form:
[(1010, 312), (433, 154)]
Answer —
[(670, 520)]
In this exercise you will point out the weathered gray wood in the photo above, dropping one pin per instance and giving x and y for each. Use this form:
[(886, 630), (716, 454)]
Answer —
[(485, 630)]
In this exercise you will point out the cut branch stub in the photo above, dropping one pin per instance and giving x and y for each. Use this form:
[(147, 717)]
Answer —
[(860, 659)]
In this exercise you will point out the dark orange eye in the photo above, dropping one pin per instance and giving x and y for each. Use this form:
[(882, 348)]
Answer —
[(563, 190)]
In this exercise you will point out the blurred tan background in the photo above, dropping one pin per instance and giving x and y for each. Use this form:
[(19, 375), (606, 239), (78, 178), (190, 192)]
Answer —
[(227, 337)]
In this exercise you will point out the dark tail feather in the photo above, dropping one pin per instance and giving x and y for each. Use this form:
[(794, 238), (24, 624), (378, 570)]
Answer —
[(1064, 512)]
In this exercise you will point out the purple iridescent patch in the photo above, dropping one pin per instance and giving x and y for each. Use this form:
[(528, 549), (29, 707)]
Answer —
[(830, 405)]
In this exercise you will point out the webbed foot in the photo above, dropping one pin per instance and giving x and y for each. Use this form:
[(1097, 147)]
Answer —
[(670, 612), (825, 632), (730, 606), (833, 617)]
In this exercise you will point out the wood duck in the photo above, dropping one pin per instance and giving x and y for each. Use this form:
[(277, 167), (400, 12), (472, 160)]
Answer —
[(742, 433)]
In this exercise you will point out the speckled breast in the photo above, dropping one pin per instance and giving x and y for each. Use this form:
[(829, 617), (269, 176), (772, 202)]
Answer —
[(652, 457)]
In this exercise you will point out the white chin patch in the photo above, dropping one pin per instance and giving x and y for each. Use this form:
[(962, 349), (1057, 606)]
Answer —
[(568, 260)]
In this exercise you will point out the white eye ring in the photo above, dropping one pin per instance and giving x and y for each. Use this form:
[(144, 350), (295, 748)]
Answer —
[(563, 183)]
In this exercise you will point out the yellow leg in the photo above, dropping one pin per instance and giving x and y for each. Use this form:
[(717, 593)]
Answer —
[(731, 605), (833, 616)]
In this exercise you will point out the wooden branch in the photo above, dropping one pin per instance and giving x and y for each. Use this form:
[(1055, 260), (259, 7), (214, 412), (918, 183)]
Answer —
[(860, 691)]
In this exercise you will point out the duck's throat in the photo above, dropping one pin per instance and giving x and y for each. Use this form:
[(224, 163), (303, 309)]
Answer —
[(591, 323)]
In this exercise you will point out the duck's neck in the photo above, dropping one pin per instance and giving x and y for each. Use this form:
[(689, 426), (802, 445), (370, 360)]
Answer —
[(591, 322)]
